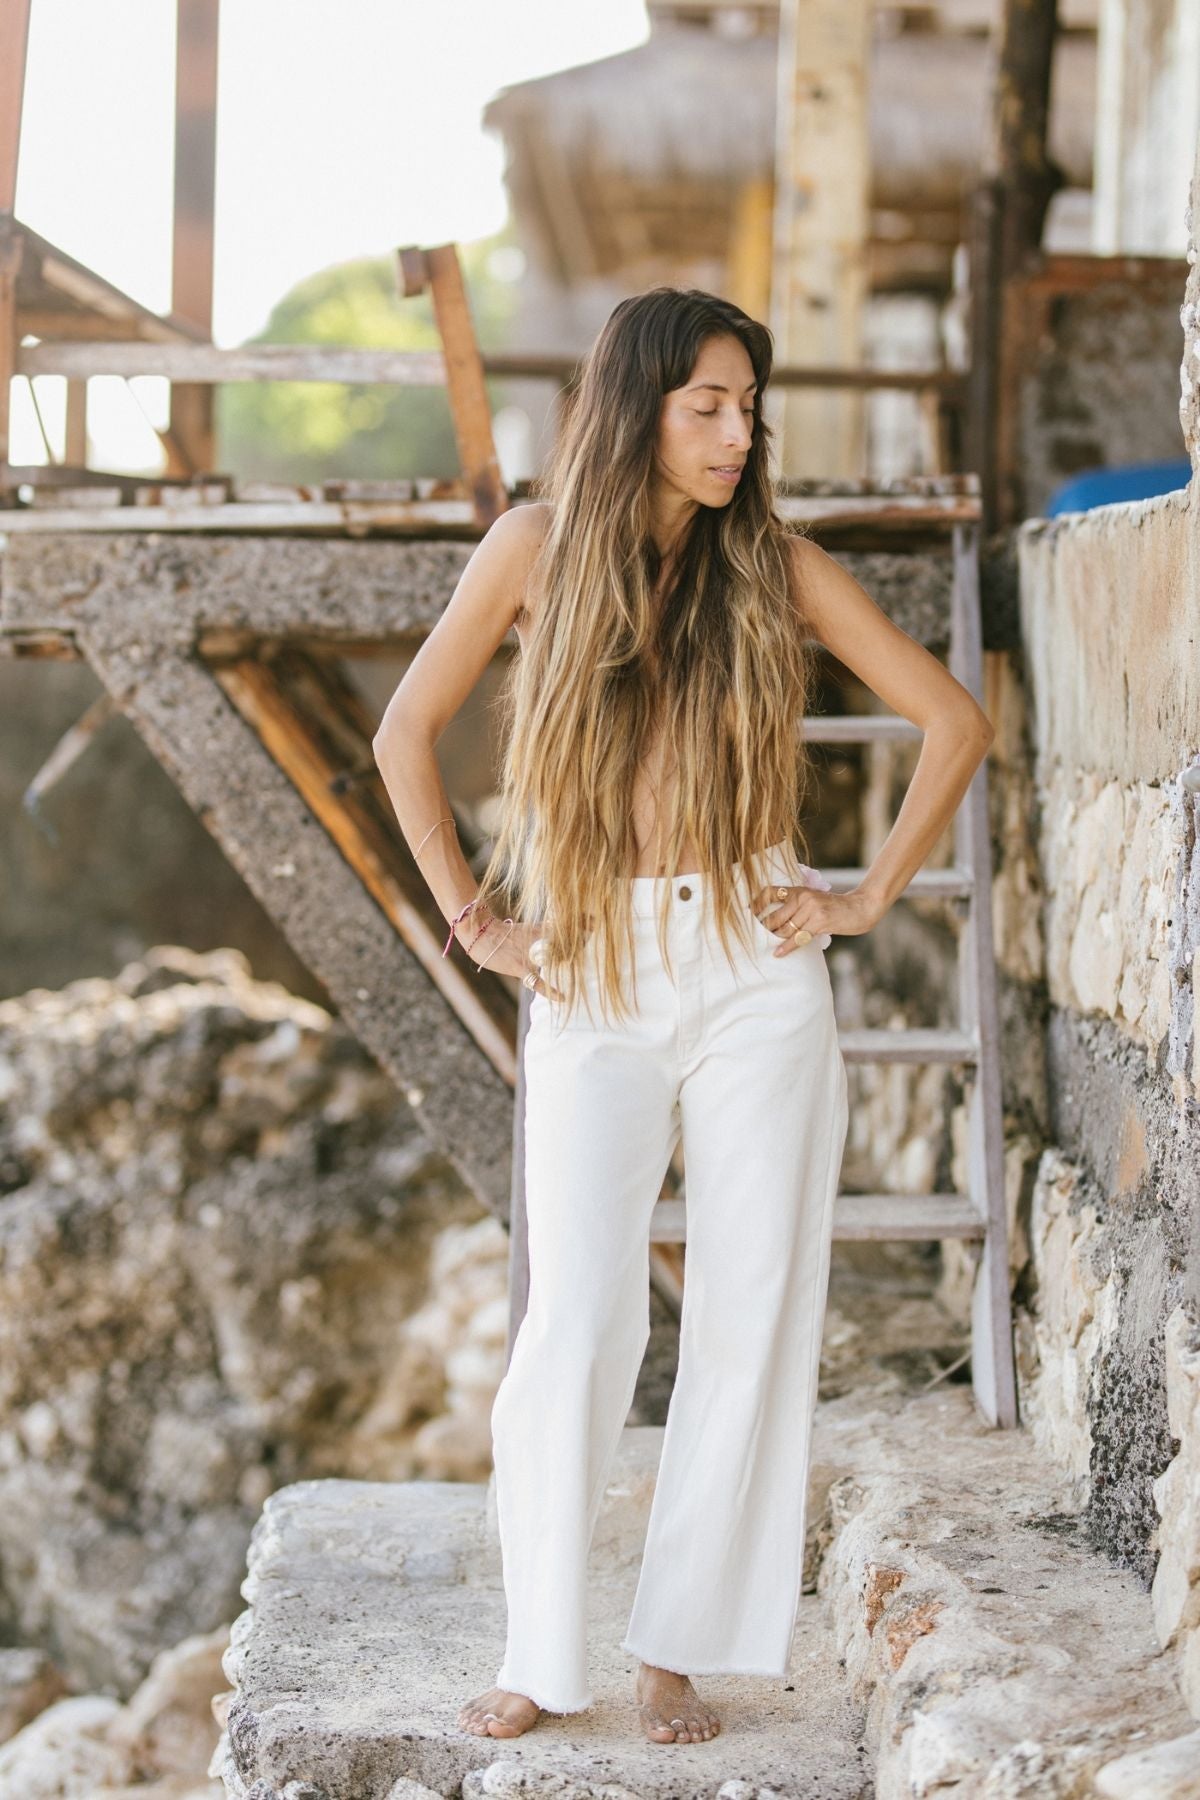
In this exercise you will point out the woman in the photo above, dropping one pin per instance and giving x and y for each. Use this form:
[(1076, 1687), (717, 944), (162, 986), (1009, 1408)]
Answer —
[(644, 882)]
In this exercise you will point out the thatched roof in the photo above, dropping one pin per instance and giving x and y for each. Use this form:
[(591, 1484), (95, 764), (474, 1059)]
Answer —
[(642, 155)]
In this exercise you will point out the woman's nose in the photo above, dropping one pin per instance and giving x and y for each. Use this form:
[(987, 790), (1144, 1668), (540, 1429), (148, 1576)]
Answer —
[(739, 436)]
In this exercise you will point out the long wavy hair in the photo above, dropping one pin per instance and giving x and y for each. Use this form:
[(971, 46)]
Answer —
[(720, 659)]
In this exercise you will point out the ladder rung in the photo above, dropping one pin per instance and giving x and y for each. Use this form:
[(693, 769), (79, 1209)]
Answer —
[(892, 1216), (887, 1217), (858, 728), (919, 1045), (936, 884)]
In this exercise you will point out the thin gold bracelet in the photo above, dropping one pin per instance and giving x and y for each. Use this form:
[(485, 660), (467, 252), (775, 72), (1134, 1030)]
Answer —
[(447, 819), (511, 928)]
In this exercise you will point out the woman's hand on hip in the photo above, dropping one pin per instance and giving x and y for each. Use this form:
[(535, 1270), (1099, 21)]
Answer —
[(800, 913)]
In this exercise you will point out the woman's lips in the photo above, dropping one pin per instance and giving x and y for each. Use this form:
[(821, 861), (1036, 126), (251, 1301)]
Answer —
[(731, 474)]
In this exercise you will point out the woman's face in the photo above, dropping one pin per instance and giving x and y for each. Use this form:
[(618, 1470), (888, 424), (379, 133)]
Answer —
[(705, 427)]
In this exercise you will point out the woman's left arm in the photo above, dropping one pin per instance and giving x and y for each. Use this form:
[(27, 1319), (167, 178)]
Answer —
[(909, 679)]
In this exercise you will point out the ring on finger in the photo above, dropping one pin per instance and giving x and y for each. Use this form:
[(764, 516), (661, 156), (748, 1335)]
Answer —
[(801, 935)]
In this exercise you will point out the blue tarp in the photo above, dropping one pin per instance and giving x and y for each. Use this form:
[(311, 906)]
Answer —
[(1129, 481)]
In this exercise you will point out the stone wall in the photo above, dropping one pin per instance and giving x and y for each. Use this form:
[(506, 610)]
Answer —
[(1107, 1244)]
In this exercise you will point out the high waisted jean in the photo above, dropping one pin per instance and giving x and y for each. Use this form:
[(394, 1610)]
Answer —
[(742, 1059)]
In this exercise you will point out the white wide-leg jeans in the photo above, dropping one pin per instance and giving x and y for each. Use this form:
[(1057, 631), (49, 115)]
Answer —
[(742, 1059)]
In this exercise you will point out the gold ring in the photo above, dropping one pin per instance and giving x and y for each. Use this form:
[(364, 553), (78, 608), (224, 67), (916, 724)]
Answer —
[(782, 892)]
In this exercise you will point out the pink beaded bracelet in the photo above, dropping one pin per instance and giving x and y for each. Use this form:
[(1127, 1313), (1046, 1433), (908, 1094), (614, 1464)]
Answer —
[(456, 920)]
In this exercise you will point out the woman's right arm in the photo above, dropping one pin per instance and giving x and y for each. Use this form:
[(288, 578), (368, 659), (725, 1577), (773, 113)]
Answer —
[(490, 592)]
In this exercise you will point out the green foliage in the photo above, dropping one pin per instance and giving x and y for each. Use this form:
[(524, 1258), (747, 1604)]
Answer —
[(311, 431)]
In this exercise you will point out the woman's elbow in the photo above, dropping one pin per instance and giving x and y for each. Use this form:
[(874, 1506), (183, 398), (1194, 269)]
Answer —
[(394, 736), (968, 725)]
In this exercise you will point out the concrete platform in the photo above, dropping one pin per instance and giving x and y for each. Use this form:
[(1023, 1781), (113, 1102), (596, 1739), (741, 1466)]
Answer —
[(376, 1609)]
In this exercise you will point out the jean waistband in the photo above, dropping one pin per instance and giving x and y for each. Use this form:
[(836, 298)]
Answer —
[(646, 890)]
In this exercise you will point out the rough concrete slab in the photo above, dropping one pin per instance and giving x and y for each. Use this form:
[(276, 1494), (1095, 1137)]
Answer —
[(329, 587), (375, 1610)]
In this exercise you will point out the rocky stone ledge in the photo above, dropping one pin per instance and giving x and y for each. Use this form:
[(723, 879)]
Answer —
[(995, 1652)]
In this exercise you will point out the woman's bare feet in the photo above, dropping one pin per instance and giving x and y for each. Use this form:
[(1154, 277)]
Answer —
[(670, 1709), (499, 1714)]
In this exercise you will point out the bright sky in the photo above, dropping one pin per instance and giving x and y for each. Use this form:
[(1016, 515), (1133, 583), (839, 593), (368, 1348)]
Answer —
[(341, 131)]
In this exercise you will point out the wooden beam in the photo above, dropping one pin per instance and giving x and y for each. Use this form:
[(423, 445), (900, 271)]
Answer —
[(191, 422), (75, 447), (985, 308), (1017, 155), (14, 45), (822, 223), (177, 361), (902, 514), (749, 284), (12, 250), (439, 269), (312, 722)]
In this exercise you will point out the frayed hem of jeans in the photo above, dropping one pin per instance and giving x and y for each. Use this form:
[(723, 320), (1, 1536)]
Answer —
[(709, 1668), (546, 1705)]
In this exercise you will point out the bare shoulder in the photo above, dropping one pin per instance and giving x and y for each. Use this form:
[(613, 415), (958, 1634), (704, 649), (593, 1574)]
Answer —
[(525, 527), (812, 576)]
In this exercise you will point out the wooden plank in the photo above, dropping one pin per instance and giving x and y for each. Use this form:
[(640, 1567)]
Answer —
[(1016, 154), (14, 45), (39, 646), (308, 719), (916, 1045), (895, 1217), (416, 518), (926, 884), (859, 1218), (190, 441), (888, 512), (822, 221), (200, 362), (359, 518), (993, 1372), (985, 309), (467, 390), (75, 444), (1066, 273), (859, 728), (89, 497), (101, 355), (12, 252)]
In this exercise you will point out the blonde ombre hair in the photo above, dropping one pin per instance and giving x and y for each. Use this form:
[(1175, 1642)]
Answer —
[(579, 705)]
